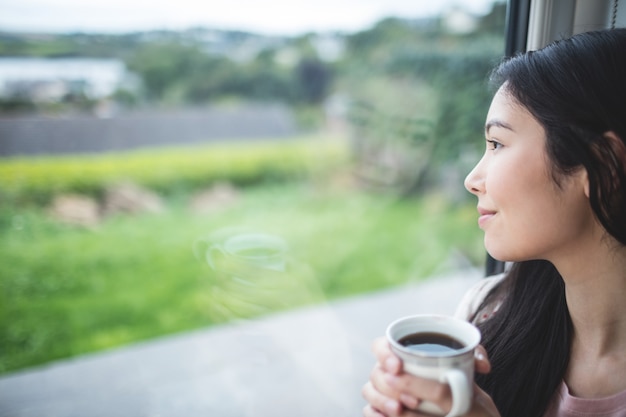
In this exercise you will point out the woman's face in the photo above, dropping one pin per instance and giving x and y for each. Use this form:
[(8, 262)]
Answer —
[(523, 213)]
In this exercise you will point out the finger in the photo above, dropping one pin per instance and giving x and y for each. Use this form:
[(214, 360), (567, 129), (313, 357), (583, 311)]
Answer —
[(378, 401), (382, 407), (416, 387), (390, 362), (409, 401), (379, 382), (369, 411), (482, 364)]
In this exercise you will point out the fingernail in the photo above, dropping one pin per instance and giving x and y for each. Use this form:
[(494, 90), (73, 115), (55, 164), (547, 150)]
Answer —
[(392, 407), (480, 356), (409, 401), (391, 364), (391, 380)]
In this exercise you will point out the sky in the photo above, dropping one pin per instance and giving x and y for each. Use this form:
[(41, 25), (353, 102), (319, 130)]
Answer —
[(272, 17)]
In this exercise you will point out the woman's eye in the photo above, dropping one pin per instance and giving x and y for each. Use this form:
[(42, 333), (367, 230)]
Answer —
[(493, 145)]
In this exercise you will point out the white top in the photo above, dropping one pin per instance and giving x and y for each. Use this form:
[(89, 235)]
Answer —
[(562, 404), (474, 297)]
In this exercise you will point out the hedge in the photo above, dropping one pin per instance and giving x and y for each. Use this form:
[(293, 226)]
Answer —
[(37, 179)]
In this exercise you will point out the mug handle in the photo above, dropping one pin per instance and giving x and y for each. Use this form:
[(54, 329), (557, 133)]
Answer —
[(461, 392)]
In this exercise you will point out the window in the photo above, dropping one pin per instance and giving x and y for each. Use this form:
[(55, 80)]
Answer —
[(147, 177)]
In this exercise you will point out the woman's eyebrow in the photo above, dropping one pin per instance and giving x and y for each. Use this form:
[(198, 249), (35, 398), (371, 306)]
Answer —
[(497, 123)]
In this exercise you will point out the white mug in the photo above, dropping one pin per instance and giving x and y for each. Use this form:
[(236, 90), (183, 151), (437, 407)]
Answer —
[(453, 366)]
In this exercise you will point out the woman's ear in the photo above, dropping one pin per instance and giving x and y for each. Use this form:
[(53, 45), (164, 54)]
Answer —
[(617, 154), (585, 179), (611, 152), (616, 143)]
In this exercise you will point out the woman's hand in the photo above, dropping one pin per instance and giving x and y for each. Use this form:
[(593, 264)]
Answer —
[(391, 392)]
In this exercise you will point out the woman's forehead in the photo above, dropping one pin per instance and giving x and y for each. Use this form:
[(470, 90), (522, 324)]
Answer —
[(504, 105)]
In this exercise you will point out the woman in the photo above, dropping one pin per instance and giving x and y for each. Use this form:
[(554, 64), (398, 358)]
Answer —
[(551, 191)]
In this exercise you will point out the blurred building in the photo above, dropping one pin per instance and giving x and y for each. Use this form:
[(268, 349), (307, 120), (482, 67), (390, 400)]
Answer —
[(52, 80)]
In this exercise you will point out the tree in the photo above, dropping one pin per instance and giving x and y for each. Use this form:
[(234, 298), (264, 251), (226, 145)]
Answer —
[(313, 78)]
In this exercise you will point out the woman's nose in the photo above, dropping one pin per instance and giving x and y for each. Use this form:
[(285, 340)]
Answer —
[(475, 180)]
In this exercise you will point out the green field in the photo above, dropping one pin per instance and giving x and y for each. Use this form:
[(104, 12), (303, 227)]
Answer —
[(67, 290)]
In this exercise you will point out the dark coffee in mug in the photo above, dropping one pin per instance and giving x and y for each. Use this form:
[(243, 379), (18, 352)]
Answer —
[(431, 342)]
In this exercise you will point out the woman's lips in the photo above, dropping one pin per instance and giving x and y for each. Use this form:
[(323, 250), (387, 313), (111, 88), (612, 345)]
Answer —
[(484, 216)]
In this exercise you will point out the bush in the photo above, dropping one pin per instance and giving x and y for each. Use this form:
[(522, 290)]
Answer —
[(28, 180)]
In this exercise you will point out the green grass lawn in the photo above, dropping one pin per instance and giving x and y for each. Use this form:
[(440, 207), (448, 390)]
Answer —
[(65, 290)]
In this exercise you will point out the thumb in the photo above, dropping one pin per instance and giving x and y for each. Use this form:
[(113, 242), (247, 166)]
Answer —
[(482, 364)]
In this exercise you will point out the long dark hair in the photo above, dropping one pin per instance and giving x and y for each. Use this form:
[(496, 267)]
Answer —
[(576, 89)]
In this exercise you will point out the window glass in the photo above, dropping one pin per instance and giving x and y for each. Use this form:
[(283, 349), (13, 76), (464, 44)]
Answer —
[(159, 181)]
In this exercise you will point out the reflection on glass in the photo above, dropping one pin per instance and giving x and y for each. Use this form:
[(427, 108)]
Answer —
[(252, 274)]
